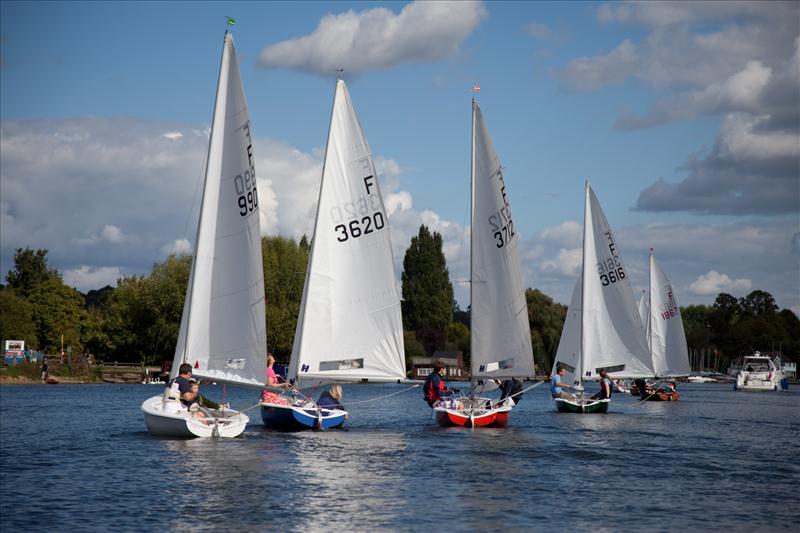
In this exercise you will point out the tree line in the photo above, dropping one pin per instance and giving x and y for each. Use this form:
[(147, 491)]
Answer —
[(138, 320)]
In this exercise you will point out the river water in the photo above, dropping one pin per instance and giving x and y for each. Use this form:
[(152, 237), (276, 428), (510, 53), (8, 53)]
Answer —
[(78, 458)]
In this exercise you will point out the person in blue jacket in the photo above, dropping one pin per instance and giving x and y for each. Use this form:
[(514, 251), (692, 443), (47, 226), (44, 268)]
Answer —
[(332, 399), (434, 388)]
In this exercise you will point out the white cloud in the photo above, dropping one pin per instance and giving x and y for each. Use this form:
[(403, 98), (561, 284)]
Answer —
[(566, 263), (737, 60), (177, 247), (109, 233), (714, 283), (85, 278), (751, 170), (378, 38), (173, 135)]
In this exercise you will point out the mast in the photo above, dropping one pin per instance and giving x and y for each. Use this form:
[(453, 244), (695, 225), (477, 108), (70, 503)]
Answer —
[(471, 228), (584, 268), (650, 312)]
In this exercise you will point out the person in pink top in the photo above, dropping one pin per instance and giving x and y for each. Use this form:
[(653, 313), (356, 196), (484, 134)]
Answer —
[(273, 380)]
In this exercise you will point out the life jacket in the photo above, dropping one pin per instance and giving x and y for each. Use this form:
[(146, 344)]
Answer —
[(433, 385)]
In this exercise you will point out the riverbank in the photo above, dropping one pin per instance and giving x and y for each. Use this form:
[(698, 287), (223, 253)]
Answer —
[(24, 380)]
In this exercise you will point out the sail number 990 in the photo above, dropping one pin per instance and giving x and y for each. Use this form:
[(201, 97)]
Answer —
[(246, 191), (358, 227), (610, 270)]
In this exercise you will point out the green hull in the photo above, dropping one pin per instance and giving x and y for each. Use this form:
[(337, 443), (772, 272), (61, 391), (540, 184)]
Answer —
[(581, 406)]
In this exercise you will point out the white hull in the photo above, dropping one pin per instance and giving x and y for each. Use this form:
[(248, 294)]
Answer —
[(185, 425), (700, 379), (759, 374), (757, 381)]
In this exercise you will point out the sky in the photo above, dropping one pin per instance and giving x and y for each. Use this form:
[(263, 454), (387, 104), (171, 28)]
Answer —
[(684, 117)]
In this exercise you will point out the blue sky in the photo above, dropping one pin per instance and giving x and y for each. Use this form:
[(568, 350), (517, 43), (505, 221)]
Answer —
[(105, 109)]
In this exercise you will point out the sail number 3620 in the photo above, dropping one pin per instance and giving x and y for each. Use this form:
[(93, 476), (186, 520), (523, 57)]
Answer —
[(358, 227)]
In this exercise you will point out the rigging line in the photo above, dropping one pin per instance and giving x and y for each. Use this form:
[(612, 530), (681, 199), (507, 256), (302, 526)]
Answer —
[(381, 397)]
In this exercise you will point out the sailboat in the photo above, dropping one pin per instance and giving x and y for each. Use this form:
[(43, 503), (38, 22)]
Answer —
[(603, 329), (350, 326), (223, 329), (664, 333), (500, 333)]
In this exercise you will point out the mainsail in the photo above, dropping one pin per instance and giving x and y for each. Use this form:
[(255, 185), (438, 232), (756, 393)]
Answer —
[(350, 325), (500, 336), (665, 334), (223, 328), (611, 331)]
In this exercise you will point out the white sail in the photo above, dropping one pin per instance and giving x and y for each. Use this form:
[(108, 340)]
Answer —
[(500, 336), (668, 341), (568, 354), (350, 325), (612, 331), (644, 314), (223, 329)]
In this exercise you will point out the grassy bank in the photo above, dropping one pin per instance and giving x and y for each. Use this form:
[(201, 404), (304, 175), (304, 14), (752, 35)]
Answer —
[(26, 373)]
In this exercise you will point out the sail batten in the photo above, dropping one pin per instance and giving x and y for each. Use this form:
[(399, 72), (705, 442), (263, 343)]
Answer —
[(500, 332)]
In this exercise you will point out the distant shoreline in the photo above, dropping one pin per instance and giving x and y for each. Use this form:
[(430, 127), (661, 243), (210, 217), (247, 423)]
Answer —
[(22, 380)]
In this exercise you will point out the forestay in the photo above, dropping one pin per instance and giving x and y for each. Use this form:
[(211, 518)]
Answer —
[(223, 329), (500, 337), (668, 341), (350, 326)]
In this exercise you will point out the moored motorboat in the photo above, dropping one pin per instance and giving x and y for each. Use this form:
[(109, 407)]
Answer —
[(759, 373)]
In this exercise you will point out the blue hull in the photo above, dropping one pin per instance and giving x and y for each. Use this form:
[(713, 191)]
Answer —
[(290, 418)]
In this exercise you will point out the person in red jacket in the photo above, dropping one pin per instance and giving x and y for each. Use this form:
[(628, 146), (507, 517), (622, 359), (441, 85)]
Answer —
[(434, 388)]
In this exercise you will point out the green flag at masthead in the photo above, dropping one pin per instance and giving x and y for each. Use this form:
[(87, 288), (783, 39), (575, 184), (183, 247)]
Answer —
[(231, 21)]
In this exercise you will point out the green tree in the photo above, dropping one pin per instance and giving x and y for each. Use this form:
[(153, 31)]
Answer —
[(143, 315), (758, 303), (546, 319), (413, 348), (30, 270), (58, 310), (285, 264), (16, 318), (458, 339), (427, 292)]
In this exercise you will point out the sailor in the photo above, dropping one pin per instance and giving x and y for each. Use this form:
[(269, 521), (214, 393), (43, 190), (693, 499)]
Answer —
[(557, 385), (180, 394), (434, 388)]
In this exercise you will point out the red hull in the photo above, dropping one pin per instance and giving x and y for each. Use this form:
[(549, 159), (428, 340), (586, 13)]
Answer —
[(453, 418)]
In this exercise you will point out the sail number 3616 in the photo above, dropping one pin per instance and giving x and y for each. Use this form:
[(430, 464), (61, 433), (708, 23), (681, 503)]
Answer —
[(610, 270)]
